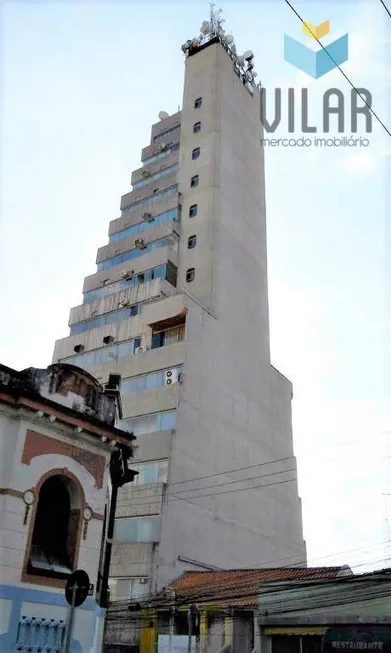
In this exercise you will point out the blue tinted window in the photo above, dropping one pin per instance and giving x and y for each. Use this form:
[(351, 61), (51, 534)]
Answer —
[(150, 200), (124, 284), (161, 155), (168, 131), (151, 423), (149, 381), (134, 253), (104, 355), (136, 529), (108, 318), (158, 175), (153, 472), (159, 219), (167, 420)]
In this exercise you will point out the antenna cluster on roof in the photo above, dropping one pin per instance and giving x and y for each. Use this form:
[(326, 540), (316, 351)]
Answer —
[(212, 29)]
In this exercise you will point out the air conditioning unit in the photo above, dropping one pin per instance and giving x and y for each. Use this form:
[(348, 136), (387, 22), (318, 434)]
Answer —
[(148, 217), (140, 243), (170, 377), (140, 350), (108, 340), (162, 146), (143, 581), (127, 274), (145, 174), (123, 304)]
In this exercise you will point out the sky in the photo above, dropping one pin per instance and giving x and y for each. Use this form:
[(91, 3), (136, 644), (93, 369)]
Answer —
[(81, 85)]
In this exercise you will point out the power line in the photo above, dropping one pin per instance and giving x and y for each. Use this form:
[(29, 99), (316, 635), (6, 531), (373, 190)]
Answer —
[(386, 8), (233, 471), (174, 494), (246, 467), (241, 590), (339, 68)]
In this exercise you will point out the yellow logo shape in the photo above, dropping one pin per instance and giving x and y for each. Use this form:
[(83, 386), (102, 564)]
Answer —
[(316, 31)]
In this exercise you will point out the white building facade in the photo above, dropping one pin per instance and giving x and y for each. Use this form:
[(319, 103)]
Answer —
[(57, 431), (178, 307)]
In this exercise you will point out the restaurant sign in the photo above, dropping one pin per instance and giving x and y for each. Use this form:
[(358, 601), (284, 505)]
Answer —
[(357, 639)]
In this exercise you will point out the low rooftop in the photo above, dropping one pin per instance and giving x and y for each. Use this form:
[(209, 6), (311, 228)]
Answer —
[(68, 394)]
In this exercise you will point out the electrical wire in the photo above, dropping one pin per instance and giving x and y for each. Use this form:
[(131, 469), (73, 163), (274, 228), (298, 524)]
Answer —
[(339, 68), (175, 495), (233, 471), (253, 466), (242, 584), (341, 595), (385, 7)]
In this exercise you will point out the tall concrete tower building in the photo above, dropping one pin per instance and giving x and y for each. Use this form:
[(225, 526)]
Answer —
[(178, 307)]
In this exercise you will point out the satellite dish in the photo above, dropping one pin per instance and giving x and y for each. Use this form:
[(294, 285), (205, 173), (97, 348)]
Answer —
[(240, 60), (229, 38), (163, 115), (248, 55), (205, 27)]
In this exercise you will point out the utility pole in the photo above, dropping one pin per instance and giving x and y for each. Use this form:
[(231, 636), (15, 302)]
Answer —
[(192, 616), (120, 474), (70, 620)]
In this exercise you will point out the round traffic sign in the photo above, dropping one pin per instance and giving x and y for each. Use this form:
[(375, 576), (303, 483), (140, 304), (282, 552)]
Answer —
[(77, 587)]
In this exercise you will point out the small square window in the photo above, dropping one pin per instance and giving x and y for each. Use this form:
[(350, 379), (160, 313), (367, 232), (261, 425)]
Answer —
[(134, 310), (140, 278), (190, 274), (193, 210), (195, 153), (196, 127), (191, 242), (194, 181), (136, 344), (198, 103)]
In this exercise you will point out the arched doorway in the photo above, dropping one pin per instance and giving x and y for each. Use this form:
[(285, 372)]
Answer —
[(56, 528)]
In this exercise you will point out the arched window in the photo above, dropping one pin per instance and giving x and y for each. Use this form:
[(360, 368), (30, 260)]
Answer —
[(56, 528)]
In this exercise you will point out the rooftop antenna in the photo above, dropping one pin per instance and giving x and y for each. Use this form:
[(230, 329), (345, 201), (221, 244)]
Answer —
[(216, 22)]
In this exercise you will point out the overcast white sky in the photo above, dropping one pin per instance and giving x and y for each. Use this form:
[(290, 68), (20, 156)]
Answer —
[(81, 84)]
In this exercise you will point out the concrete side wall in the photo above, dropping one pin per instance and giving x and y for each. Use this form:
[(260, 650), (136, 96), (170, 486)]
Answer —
[(234, 408)]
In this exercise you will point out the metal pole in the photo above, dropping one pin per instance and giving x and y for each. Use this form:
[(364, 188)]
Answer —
[(70, 620), (190, 629), (108, 547), (171, 629)]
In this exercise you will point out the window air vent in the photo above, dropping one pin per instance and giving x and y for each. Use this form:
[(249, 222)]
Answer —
[(140, 243), (148, 217)]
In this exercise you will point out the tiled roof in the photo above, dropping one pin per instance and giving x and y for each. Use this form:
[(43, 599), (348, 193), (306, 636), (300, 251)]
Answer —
[(241, 586)]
